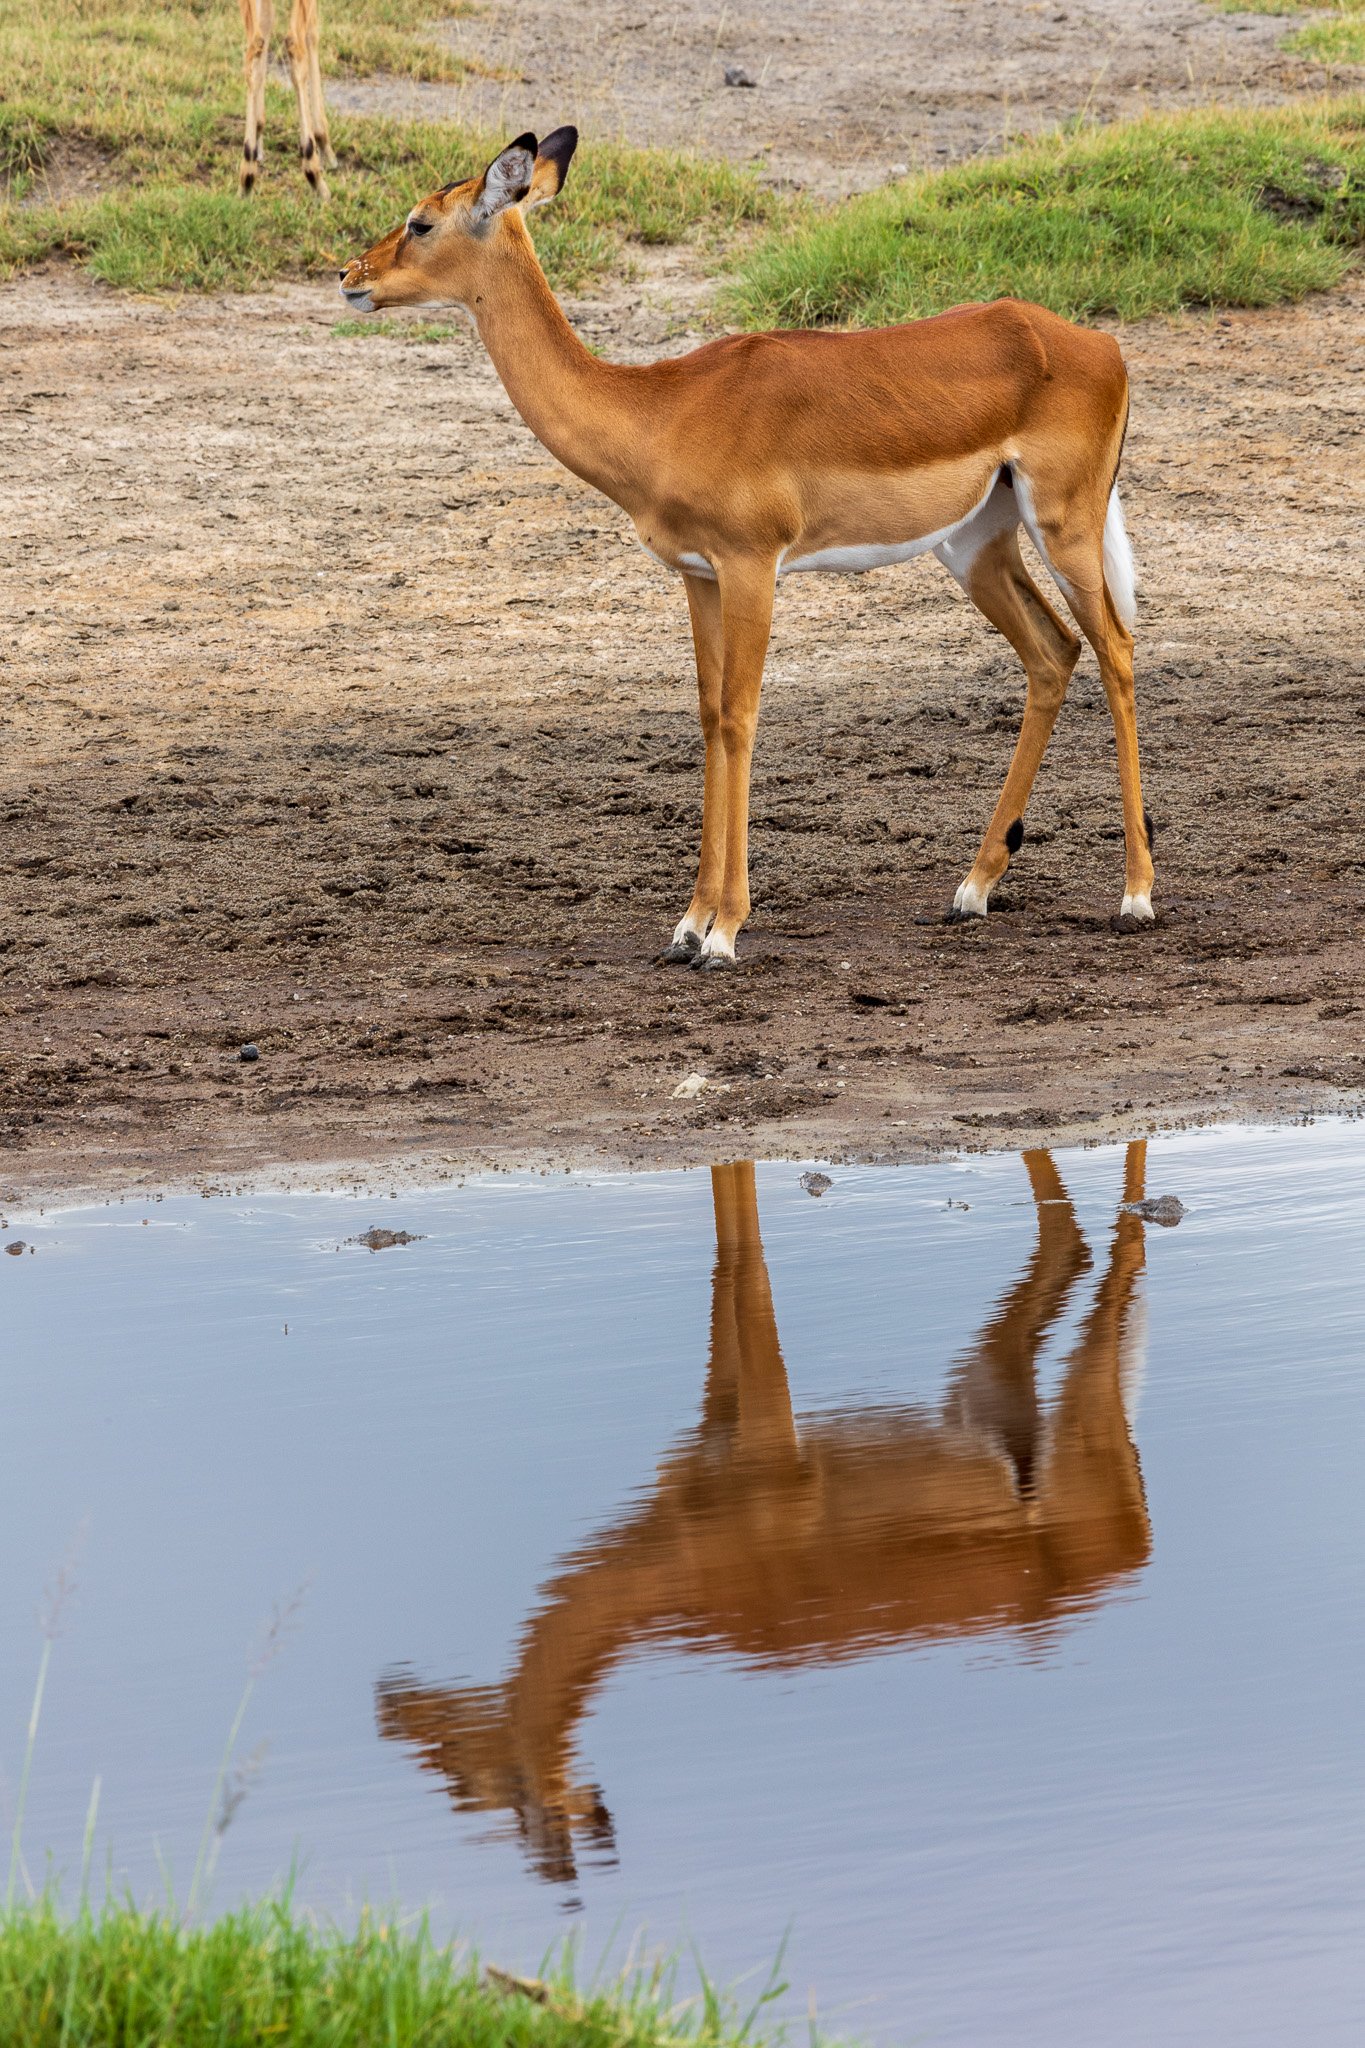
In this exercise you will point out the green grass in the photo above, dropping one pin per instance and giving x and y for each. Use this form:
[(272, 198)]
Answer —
[(1336, 35), (1214, 208), (150, 92), (123, 1978)]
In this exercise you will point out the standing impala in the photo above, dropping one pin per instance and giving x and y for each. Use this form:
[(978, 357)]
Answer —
[(764, 454)]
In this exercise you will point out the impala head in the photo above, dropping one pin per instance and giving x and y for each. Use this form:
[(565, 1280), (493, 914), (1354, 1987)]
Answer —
[(439, 254)]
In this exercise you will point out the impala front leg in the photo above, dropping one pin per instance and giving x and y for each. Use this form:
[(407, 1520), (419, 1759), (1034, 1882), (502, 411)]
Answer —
[(703, 602), (746, 611), (257, 23)]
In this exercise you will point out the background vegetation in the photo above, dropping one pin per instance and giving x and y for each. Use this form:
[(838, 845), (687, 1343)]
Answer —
[(1335, 35), (144, 99), (1217, 208)]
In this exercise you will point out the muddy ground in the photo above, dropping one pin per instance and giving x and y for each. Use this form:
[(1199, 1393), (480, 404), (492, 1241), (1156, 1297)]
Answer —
[(844, 93), (334, 717)]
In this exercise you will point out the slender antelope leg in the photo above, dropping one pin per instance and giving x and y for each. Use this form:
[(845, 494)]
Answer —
[(316, 98), (1074, 550), (296, 48), (1000, 586), (257, 24), (703, 602), (746, 609)]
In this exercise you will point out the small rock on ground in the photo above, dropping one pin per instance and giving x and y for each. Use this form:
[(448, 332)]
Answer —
[(816, 1183)]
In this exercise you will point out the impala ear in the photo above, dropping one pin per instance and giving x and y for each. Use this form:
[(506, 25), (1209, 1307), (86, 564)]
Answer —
[(507, 180), (552, 165)]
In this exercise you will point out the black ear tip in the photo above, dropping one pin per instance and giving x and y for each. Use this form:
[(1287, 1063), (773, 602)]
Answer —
[(527, 142), (561, 145)]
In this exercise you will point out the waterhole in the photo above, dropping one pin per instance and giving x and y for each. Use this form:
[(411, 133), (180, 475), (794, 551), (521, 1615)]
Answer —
[(946, 1578)]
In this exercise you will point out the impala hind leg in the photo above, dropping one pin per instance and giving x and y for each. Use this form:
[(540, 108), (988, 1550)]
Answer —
[(1000, 586), (301, 49), (703, 604), (257, 23), (1073, 544)]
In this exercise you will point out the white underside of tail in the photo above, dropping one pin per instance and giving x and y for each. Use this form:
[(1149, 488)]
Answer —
[(1119, 574)]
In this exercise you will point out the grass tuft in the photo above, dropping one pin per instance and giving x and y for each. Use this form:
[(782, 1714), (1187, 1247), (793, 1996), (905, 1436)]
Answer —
[(264, 1974), (1214, 208)]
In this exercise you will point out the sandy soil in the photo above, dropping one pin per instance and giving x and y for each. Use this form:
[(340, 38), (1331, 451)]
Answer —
[(336, 718), (844, 92)]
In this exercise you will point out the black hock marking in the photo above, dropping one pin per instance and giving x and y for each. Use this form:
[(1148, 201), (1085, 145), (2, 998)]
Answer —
[(1150, 829), (248, 153), (308, 148), (1014, 835)]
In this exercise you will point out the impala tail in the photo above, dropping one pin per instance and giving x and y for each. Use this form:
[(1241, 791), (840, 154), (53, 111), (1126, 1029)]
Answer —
[(1120, 575)]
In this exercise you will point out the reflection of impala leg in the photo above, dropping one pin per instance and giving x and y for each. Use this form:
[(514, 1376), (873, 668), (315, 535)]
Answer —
[(746, 605), (257, 25), (747, 1395), (703, 603), (994, 1390), (1091, 1487)]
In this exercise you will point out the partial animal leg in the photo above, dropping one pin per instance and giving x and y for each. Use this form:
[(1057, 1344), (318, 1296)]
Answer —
[(746, 611), (257, 25), (703, 603), (1000, 586), (302, 25), (316, 98), (1069, 530)]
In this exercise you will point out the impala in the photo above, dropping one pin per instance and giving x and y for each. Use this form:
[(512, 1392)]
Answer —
[(301, 48), (763, 455), (786, 1541)]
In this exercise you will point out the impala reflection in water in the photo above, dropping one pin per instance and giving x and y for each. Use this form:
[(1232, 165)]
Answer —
[(785, 1542)]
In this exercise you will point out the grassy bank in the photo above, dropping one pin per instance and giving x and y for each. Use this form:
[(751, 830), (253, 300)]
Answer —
[(121, 130), (129, 1979), (1218, 208)]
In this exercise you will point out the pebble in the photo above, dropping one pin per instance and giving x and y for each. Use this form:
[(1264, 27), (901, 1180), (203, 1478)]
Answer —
[(17, 1247), (377, 1240), (249, 1052), (1164, 1209), (735, 74), (816, 1183)]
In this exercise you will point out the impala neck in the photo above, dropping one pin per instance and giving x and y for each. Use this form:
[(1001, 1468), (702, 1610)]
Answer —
[(571, 402)]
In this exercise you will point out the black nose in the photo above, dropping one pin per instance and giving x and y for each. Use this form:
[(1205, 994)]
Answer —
[(342, 275)]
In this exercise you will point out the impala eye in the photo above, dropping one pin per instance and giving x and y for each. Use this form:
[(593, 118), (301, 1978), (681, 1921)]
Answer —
[(420, 227)]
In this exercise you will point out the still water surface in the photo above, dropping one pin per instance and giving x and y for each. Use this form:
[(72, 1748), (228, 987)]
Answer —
[(952, 1576)]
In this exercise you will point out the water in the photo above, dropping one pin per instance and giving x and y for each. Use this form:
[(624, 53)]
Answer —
[(967, 1596)]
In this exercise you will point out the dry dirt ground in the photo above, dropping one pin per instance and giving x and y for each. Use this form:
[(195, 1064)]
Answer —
[(844, 91), (336, 718)]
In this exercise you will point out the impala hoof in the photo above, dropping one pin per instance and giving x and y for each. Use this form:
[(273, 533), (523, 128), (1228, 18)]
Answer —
[(682, 952), (955, 915), (708, 962), (1126, 923)]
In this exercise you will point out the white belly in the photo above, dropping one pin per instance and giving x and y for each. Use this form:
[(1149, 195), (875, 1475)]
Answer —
[(857, 559)]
